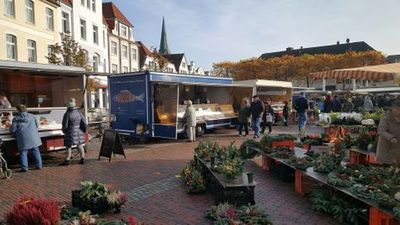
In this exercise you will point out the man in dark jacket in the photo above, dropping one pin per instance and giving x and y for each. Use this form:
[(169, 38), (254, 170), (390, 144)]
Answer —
[(256, 110), (301, 106), (25, 128)]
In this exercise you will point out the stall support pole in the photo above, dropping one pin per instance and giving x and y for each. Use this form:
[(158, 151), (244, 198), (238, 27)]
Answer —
[(354, 84), (376, 217), (298, 182), (323, 84)]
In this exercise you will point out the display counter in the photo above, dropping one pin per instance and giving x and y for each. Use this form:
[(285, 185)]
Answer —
[(50, 125), (209, 115)]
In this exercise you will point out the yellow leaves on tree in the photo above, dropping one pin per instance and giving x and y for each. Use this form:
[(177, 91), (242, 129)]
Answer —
[(294, 67)]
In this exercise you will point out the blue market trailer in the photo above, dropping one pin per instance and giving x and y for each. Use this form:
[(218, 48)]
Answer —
[(151, 104)]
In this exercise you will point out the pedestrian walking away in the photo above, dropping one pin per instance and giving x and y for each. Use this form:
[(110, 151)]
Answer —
[(268, 117), (256, 110), (243, 119), (301, 106), (190, 121), (74, 126), (25, 129), (285, 113)]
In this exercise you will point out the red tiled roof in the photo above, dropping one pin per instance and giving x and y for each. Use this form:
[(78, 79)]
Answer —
[(111, 11), (67, 2)]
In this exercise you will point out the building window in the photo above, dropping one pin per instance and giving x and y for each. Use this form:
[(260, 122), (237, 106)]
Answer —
[(124, 31), (96, 59), (94, 5), (30, 11), (9, 7), (105, 65), (95, 35), (11, 43), (32, 51), (183, 64), (114, 48), (104, 39), (88, 4), (83, 29), (114, 68), (134, 54), (125, 51), (50, 19), (126, 69), (65, 22)]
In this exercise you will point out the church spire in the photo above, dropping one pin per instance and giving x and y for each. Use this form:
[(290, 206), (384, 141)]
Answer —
[(164, 50)]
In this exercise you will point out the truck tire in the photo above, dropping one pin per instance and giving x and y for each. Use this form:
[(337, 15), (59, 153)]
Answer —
[(200, 129)]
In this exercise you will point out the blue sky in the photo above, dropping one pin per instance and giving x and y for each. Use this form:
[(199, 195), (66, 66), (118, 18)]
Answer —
[(209, 31)]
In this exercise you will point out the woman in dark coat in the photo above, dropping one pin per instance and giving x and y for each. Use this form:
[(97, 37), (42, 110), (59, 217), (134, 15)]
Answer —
[(74, 126), (244, 115), (285, 113)]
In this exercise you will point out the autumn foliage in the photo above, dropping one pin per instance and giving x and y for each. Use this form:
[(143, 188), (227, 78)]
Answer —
[(31, 211), (294, 67)]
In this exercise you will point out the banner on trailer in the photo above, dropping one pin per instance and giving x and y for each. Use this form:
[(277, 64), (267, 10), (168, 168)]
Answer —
[(128, 95)]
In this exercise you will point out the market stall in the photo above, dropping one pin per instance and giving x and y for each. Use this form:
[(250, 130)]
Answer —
[(44, 89), (151, 104)]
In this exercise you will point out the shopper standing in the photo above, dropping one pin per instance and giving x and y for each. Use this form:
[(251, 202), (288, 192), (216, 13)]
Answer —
[(256, 110), (190, 120), (74, 126), (301, 106), (268, 117), (368, 105), (243, 119), (285, 113), (25, 128), (328, 103), (388, 150)]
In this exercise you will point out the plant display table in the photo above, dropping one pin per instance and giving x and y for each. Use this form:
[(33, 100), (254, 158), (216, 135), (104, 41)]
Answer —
[(238, 191), (377, 215)]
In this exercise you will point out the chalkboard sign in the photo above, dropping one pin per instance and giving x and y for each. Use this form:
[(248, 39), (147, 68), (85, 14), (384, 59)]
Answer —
[(111, 144)]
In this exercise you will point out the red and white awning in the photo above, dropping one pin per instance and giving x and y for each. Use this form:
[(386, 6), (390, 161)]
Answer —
[(382, 72)]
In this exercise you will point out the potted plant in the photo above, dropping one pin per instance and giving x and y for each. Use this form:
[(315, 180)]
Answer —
[(32, 211), (115, 200), (231, 168), (193, 179)]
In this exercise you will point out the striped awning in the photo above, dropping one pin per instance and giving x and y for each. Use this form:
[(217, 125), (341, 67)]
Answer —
[(382, 72)]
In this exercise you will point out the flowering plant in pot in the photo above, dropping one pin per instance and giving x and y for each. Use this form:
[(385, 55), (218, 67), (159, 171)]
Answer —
[(193, 179), (116, 199), (29, 210), (231, 168)]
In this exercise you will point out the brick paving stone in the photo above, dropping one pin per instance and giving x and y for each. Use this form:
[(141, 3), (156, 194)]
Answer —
[(154, 193)]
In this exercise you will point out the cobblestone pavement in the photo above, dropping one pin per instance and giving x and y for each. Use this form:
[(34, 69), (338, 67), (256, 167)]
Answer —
[(154, 193)]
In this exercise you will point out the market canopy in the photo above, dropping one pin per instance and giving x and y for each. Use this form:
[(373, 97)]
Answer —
[(382, 72)]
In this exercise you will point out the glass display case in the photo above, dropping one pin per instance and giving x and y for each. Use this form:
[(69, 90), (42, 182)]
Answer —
[(49, 119)]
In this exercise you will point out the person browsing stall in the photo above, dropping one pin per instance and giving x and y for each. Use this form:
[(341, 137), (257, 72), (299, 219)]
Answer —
[(25, 129), (190, 120), (243, 119), (388, 150), (73, 126)]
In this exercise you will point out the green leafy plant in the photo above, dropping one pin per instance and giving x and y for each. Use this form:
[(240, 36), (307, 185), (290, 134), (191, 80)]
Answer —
[(300, 163), (231, 168), (325, 163), (227, 214), (326, 201), (193, 179), (341, 180), (282, 152), (246, 150)]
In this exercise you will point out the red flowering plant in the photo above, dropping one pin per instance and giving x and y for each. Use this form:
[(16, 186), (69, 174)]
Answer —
[(31, 211)]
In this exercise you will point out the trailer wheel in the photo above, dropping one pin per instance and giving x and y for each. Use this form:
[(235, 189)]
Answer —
[(200, 129), (8, 173)]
